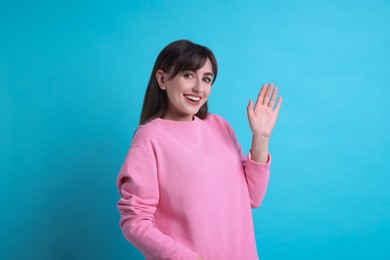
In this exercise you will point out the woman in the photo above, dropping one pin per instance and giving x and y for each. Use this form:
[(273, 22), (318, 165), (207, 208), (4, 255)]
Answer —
[(186, 189)]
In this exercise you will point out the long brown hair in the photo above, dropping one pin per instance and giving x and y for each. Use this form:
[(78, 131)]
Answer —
[(176, 57)]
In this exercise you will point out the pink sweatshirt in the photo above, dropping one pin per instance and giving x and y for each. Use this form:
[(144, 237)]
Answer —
[(187, 191)]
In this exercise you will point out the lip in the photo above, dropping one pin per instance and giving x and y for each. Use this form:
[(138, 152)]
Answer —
[(192, 101)]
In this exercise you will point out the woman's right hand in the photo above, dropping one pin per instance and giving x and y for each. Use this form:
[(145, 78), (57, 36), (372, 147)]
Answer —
[(199, 258)]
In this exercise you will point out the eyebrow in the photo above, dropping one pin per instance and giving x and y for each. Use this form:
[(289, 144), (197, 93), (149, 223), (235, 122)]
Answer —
[(209, 74)]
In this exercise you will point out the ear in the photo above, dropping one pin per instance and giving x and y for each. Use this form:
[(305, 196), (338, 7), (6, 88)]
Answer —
[(161, 78)]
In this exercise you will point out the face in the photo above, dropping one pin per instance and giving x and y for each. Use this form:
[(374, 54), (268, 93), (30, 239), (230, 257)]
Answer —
[(187, 91)]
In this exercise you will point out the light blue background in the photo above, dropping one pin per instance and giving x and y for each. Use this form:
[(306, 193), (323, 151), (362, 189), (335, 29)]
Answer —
[(73, 76)]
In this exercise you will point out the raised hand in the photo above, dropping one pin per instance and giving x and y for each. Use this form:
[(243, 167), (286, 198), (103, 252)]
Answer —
[(263, 116)]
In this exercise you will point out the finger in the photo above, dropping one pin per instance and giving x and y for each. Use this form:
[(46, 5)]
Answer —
[(278, 104), (267, 94), (260, 97), (250, 104), (273, 97), (249, 108)]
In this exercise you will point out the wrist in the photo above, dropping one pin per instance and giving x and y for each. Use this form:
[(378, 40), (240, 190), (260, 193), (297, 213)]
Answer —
[(259, 149), (260, 138)]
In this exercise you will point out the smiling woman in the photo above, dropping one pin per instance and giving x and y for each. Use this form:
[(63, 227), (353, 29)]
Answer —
[(184, 58), (171, 209)]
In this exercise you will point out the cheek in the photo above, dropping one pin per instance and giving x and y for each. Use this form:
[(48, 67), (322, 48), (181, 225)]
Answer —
[(207, 91), (173, 91)]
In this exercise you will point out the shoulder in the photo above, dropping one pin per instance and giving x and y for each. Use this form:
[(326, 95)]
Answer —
[(220, 124), (144, 134), (218, 120)]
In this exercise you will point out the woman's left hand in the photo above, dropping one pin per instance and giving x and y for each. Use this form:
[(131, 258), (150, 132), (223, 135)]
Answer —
[(263, 116)]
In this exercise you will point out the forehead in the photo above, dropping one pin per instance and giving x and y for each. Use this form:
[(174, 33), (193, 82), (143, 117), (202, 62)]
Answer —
[(206, 68)]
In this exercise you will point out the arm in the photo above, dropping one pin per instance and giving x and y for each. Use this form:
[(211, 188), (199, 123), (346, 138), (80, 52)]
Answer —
[(138, 185), (256, 174), (262, 119)]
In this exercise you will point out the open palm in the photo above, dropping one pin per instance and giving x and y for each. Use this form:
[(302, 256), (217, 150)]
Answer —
[(262, 117)]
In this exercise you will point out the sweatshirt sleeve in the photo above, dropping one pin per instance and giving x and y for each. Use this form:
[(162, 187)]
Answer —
[(138, 186), (257, 174)]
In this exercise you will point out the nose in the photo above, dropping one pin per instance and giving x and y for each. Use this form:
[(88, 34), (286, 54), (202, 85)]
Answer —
[(198, 85)]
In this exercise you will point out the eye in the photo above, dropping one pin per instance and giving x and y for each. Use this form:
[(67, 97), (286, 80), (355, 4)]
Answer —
[(207, 79), (187, 75)]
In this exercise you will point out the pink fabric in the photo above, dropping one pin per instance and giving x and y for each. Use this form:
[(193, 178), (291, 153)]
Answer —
[(187, 190)]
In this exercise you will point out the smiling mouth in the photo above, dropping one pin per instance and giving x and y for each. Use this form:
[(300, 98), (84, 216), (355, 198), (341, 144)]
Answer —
[(192, 98)]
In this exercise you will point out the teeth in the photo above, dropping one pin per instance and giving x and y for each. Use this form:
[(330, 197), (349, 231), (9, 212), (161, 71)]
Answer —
[(193, 98)]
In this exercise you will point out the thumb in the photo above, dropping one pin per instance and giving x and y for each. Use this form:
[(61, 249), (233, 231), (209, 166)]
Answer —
[(249, 108)]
